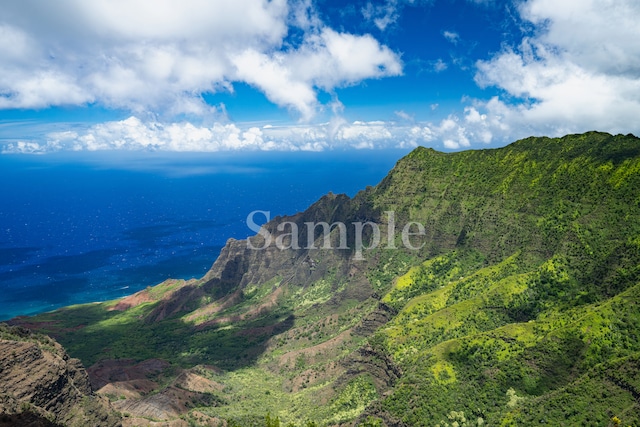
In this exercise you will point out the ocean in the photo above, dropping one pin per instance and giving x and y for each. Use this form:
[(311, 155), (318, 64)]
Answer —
[(84, 227)]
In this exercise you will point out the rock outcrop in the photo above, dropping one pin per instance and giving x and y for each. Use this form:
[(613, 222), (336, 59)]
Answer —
[(41, 385)]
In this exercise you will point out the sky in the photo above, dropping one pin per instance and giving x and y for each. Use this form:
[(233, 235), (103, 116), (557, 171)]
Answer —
[(312, 75)]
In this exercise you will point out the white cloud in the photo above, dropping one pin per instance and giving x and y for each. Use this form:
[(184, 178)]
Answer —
[(276, 80), (388, 12), (451, 36), (25, 147), (440, 66), (325, 60), (580, 72), (330, 59), (14, 44), (480, 124), (126, 54), (41, 90), (134, 134), (404, 115), (366, 133), (382, 15), (597, 35)]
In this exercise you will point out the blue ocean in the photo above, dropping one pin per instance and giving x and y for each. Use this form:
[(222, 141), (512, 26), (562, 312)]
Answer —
[(84, 227)]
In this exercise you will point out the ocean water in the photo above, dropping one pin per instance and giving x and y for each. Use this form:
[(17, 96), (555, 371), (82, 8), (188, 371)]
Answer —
[(78, 228)]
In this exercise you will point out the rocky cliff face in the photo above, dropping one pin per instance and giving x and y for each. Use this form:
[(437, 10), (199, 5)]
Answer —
[(240, 265), (41, 385)]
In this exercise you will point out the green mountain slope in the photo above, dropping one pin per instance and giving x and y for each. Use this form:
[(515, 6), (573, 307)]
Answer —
[(520, 307), (532, 335)]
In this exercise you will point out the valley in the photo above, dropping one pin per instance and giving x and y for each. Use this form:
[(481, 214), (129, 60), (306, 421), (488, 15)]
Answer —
[(520, 308)]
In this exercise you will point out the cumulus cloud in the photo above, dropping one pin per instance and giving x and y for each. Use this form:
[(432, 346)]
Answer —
[(325, 60), (134, 134), (580, 71), (597, 35), (126, 54)]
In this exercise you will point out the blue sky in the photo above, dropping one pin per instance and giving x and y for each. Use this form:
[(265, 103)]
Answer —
[(291, 75)]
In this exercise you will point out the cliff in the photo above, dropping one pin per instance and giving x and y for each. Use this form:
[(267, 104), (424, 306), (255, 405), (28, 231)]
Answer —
[(41, 385)]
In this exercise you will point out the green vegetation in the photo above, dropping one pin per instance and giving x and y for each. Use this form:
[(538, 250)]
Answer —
[(528, 331), (520, 309)]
